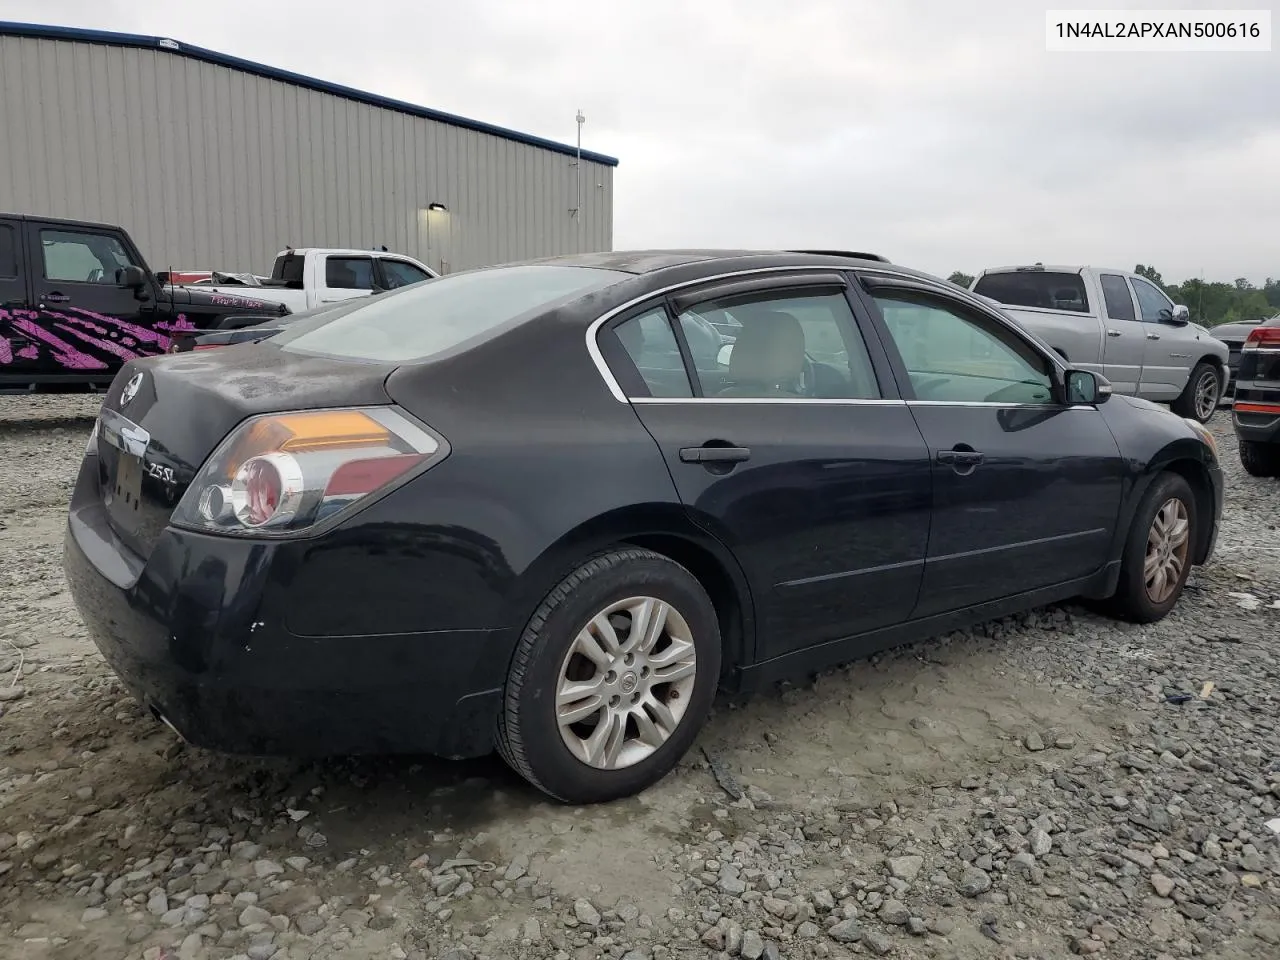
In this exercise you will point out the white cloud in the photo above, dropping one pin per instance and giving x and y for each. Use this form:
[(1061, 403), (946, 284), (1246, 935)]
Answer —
[(941, 134)]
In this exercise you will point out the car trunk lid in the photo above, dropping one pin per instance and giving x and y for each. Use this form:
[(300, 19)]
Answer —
[(164, 416)]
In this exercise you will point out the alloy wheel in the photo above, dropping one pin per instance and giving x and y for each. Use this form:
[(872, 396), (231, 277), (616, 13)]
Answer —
[(1207, 395), (626, 683), (1168, 542)]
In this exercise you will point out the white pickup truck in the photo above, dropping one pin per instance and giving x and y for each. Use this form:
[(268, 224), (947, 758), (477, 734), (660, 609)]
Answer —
[(311, 276), (1118, 324)]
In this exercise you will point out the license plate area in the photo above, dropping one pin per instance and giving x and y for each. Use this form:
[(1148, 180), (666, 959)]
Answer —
[(123, 489), (124, 494)]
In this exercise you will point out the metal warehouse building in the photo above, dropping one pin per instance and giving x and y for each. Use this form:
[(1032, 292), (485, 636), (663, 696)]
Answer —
[(213, 162)]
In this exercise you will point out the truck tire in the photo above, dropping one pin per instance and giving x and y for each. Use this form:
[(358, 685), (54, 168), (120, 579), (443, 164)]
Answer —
[(1260, 459), (1199, 398)]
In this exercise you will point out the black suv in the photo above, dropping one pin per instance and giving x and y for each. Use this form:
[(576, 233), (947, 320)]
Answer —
[(1256, 411), (77, 301)]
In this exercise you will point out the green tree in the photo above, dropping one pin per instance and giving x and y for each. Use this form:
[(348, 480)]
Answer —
[(962, 279), (1151, 273)]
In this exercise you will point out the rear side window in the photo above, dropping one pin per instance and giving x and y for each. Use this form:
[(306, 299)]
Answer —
[(348, 273), (426, 319), (1036, 288), (8, 252), (798, 347), (651, 344), (1116, 293)]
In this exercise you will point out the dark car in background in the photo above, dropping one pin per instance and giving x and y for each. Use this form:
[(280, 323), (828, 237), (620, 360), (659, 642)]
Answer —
[(514, 507), (1234, 336), (1256, 411), (77, 300)]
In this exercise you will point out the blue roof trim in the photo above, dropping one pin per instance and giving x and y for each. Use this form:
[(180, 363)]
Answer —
[(43, 31)]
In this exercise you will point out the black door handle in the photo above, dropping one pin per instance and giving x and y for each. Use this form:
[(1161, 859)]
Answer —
[(710, 454), (54, 296), (960, 458)]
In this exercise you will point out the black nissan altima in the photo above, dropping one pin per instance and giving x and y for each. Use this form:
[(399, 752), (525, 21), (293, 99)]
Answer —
[(513, 508)]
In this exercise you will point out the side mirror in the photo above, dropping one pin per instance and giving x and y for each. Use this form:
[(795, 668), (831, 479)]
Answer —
[(131, 278), (1086, 388), (725, 353), (1181, 315)]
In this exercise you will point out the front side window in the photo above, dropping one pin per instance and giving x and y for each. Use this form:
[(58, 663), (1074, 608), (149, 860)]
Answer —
[(74, 256), (1049, 290), (1155, 306), (348, 273), (429, 318), (954, 357), (398, 273), (651, 344), (1116, 293), (801, 347)]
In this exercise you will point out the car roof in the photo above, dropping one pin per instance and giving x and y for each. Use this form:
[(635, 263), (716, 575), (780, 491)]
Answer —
[(60, 221), (342, 252), (1054, 268), (647, 261)]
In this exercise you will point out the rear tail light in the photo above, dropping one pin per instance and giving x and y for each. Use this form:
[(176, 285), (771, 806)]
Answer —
[(283, 473), (208, 346), (1263, 338)]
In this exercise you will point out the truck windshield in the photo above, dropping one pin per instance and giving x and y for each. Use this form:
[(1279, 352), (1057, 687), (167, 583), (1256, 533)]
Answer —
[(419, 321), (1035, 288)]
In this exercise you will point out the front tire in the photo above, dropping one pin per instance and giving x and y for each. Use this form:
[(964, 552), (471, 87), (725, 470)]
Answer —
[(1157, 555), (1260, 459), (1199, 398), (612, 679)]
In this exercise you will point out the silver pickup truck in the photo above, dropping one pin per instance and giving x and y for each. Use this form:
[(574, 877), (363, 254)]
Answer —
[(1120, 325)]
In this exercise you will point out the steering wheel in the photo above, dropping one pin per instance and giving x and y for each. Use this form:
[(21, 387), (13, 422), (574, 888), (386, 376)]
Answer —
[(95, 275)]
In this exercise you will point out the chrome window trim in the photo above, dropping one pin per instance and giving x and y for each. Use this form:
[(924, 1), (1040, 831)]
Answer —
[(828, 401), (938, 286)]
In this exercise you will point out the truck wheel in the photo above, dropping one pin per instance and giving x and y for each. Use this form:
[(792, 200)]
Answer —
[(612, 679), (1157, 556), (1199, 399), (1260, 459)]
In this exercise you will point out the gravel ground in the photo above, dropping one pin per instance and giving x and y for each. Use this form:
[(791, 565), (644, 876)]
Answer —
[(1028, 789)]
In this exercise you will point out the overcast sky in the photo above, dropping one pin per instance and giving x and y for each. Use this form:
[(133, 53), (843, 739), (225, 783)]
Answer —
[(939, 133)]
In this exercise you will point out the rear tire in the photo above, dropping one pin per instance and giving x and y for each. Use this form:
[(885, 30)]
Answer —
[(1199, 398), (1260, 459), (595, 710), (1157, 553)]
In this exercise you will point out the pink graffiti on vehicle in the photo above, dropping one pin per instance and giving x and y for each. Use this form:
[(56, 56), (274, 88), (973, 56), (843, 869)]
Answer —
[(107, 334), (64, 354), (118, 350)]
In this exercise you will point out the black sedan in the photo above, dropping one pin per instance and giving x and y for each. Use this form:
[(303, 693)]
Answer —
[(1256, 411), (511, 507)]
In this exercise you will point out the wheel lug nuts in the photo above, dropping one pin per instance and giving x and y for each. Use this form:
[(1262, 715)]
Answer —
[(610, 677)]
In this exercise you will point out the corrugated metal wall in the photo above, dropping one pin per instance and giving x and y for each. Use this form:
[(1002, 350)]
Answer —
[(210, 167)]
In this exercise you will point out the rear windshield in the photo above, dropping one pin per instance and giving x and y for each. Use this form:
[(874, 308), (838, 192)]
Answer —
[(288, 267), (1036, 288), (417, 322)]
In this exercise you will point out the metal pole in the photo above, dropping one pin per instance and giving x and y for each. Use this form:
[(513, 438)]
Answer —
[(577, 208)]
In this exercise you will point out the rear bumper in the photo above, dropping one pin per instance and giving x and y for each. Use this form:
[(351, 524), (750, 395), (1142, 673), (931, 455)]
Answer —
[(1256, 412), (196, 633)]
